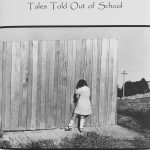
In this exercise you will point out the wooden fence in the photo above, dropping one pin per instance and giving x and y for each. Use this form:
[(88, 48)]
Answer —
[(38, 80)]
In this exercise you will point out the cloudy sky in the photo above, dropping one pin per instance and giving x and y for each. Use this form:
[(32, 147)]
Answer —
[(133, 52)]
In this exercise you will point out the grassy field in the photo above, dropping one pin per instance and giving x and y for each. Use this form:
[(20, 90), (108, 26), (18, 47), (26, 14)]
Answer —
[(135, 114), (131, 113)]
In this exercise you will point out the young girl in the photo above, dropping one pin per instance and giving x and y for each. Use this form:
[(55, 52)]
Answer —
[(83, 106)]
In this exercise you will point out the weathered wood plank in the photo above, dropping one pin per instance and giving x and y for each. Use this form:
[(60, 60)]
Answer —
[(79, 53), (60, 84), (94, 100), (104, 69), (23, 85), (50, 76), (39, 83), (113, 114), (1, 79), (15, 85), (34, 85), (56, 83), (110, 81), (101, 81), (64, 82), (70, 79), (43, 87), (30, 78), (4, 92), (7, 81)]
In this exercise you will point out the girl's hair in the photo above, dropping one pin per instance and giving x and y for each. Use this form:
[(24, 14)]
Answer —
[(81, 83)]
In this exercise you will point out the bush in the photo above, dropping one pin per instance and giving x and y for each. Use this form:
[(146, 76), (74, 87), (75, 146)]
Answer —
[(91, 140), (5, 144), (40, 144)]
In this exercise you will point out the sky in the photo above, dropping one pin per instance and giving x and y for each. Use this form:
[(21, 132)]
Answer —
[(133, 49), (134, 55)]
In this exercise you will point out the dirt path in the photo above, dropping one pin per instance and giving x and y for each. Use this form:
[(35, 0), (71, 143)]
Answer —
[(24, 137)]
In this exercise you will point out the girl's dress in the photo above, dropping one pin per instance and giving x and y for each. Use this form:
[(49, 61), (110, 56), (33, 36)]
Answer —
[(83, 106)]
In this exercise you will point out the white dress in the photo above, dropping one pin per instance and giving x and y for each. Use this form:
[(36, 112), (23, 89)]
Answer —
[(83, 106)]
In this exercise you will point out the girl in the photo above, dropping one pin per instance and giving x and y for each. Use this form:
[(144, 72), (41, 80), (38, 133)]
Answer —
[(83, 106)]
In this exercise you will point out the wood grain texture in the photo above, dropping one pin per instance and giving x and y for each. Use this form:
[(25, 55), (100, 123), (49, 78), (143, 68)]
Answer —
[(15, 85), (34, 85), (105, 48), (88, 69), (7, 83), (43, 86), (1, 79), (70, 89), (30, 78), (114, 47), (64, 82), (39, 85), (51, 66), (56, 83), (59, 85), (110, 83), (102, 85), (23, 85), (94, 100)]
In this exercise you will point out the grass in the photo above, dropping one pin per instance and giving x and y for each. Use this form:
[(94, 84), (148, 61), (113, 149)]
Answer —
[(86, 140), (135, 115)]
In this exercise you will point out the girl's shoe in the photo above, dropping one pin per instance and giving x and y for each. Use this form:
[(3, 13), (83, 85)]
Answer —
[(81, 129), (68, 128)]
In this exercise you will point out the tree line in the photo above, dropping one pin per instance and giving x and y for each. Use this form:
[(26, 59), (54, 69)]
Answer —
[(133, 88)]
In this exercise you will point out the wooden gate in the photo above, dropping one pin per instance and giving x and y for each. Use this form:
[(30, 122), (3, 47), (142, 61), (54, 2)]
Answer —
[(38, 80)]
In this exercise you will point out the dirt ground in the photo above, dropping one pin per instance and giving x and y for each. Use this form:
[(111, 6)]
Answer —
[(24, 137)]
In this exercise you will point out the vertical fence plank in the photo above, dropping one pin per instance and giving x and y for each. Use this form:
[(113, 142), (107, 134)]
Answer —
[(39, 82), (1, 85), (101, 86), (4, 92), (34, 85), (88, 69), (70, 79), (43, 86), (56, 76), (110, 81), (24, 75), (60, 86), (30, 77), (15, 85), (94, 121), (50, 75), (64, 82), (113, 114), (7, 82), (104, 82), (78, 61), (98, 90)]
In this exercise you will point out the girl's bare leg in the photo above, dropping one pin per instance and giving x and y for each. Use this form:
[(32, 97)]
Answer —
[(72, 120), (82, 120)]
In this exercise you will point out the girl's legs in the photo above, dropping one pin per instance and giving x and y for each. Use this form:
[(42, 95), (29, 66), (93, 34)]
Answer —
[(72, 120), (82, 120)]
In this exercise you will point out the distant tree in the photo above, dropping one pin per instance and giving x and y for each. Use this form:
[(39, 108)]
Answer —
[(119, 92), (138, 87), (143, 86)]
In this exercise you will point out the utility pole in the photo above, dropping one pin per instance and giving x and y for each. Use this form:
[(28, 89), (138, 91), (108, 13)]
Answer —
[(123, 75)]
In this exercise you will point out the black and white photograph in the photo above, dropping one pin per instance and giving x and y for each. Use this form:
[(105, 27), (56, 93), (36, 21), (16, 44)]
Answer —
[(74, 74), (75, 87)]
